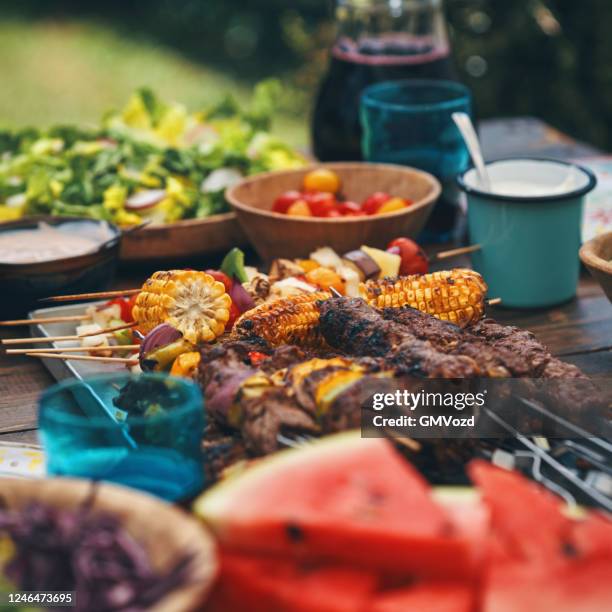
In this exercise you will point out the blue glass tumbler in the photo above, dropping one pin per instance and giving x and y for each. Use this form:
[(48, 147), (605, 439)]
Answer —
[(142, 431), (410, 123)]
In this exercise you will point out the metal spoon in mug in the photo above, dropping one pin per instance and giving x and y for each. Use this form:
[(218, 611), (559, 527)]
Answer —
[(466, 127)]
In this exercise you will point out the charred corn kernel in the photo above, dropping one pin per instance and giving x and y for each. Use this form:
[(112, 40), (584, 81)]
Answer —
[(186, 364), (289, 320), (193, 302), (451, 295), (325, 278)]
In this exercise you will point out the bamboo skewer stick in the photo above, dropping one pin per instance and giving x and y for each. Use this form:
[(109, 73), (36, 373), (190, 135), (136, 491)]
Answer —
[(76, 349), (90, 296), (458, 251), (102, 332), (494, 301), (68, 356), (63, 319)]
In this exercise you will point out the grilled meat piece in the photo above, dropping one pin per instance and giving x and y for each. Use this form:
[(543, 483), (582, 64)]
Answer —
[(274, 413), (222, 370), (494, 361), (360, 330), (525, 346)]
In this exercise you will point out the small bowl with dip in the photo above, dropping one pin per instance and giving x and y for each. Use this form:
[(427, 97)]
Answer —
[(44, 256), (528, 226)]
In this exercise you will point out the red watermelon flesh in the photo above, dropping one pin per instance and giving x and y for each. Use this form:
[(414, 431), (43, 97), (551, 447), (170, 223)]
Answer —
[(426, 597), (271, 585), (591, 537), (344, 499), (525, 517), (582, 586)]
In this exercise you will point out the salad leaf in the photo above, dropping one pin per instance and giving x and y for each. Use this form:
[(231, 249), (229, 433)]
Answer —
[(150, 144)]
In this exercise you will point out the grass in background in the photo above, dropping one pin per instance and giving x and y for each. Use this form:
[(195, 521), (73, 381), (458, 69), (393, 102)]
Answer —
[(73, 71)]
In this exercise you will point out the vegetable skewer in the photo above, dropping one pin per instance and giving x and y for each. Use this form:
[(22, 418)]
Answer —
[(77, 349), (101, 332), (63, 319), (90, 296), (458, 251), (68, 356)]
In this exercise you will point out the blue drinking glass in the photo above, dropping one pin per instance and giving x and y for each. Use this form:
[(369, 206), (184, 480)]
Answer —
[(409, 123), (142, 431)]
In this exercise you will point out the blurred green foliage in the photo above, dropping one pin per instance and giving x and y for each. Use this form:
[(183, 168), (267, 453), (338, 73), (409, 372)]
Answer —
[(547, 58)]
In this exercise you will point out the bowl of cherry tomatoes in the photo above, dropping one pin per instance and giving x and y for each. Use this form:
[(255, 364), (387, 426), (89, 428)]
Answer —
[(343, 205)]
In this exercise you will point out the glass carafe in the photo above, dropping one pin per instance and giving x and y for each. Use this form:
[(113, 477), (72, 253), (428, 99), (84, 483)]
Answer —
[(377, 40)]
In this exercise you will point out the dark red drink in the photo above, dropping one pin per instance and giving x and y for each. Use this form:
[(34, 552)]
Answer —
[(336, 133)]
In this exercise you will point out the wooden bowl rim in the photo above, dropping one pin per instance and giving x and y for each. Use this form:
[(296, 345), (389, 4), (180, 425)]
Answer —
[(78, 490), (434, 184), (589, 253), (212, 219)]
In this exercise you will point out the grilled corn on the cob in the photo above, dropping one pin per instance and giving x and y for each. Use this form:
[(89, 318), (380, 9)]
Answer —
[(451, 295), (289, 320), (193, 302)]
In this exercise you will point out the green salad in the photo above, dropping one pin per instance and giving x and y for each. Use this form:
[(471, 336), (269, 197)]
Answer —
[(151, 161)]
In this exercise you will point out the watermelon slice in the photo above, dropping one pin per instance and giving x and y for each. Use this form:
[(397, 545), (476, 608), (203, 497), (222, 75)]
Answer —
[(550, 561), (526, 518), (583, 586), (272, 585), (426, 597), (343, 498)]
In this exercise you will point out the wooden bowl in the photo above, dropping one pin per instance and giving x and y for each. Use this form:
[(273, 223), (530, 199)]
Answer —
[(277, 235), (183, 239), (596, 255), (165, 531), (26, 283)]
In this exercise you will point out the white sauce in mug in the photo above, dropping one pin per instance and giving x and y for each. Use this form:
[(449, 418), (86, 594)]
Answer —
[(521, 188), (44, 243)]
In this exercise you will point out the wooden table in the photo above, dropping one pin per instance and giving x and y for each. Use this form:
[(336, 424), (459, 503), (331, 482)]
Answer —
[(580, 331)]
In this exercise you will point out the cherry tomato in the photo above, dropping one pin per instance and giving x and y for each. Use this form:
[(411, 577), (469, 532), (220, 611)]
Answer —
[(413, 258), (372, 203), (349, 207), (222, 278), (124, 308), (256, 357), (321, 203), (321, 179), (234, 313), (285, 200)]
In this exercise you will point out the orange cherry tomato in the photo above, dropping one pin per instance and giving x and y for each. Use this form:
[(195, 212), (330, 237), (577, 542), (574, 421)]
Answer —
[(322, 179), (392, 205), (299, 208), (372, 203)]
